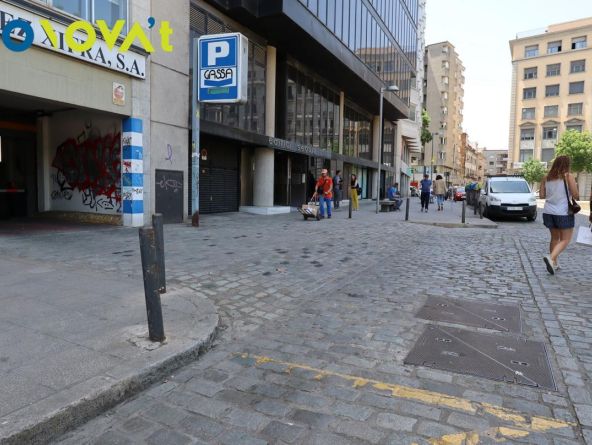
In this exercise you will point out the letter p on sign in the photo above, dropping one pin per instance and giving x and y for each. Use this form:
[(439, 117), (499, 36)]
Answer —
[(217, 50)]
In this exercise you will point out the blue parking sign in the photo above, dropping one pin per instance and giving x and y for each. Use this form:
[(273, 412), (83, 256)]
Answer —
[(223, 68)]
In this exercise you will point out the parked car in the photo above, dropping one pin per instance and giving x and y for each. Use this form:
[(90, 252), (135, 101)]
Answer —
[(508, 196), (460, 194)]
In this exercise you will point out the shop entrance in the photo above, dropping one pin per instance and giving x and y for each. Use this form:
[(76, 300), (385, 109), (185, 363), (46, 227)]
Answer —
[(18, 185), (219, 189), (290, 179)]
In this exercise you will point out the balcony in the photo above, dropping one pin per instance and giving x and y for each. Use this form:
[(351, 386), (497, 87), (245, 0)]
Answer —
[(549, 143), (527, 145)]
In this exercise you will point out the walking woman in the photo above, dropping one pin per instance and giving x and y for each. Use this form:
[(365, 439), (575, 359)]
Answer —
[(557, 188), (440, 191), (353, 192)]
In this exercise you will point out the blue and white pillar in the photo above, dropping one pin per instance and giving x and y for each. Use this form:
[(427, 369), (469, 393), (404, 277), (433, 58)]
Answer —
[(132, 173)]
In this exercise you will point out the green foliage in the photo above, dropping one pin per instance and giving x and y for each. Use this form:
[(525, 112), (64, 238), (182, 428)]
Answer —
[(533, 171), (578, 146), (426, 135)]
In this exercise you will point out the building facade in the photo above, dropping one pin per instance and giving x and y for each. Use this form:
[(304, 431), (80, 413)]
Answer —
[(496, 162), (92, 132), (551, 91), (309, 117), (105, 133), (443, 100)]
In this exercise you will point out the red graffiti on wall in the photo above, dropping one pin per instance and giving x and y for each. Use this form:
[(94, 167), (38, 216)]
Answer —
[(92, 166)]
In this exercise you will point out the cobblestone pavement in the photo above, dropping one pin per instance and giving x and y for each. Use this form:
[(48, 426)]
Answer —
[(318, 317)]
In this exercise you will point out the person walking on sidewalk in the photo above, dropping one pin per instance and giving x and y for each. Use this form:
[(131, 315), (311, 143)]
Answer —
[(556, 189), (353, 192), (324, 191), (425, 186), (440, 191), (337, 189)]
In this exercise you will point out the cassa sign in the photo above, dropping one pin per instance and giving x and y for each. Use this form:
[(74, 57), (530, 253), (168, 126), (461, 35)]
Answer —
[(223, 68)]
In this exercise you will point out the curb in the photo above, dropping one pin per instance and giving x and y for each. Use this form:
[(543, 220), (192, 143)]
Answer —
[(49, 426), (455, 225)]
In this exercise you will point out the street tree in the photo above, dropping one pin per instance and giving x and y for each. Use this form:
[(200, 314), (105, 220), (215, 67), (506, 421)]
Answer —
[(578, 146), (426, 134), (533, 171)]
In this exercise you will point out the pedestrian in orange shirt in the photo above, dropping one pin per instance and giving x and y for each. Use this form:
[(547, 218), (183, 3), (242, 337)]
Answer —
[(324, 191)]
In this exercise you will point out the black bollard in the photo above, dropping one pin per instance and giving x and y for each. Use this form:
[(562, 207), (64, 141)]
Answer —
[(464, 206), (151, 276), (157, 223), (407, 209), (350, 206)]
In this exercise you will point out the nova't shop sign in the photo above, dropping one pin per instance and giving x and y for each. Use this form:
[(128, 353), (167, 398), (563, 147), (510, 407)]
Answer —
[(29, 29)]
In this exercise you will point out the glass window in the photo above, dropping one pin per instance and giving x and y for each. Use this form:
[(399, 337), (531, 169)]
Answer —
[(578, 42), (553, 69), (79, 8), (577, 66), (527, 134), (531, 51), (575, 127), (547, 154), (551, 110), (525, 155), (528, 113), (554, 47), (576, 87), (551, 90), (529, 93), (550, 133), (509, 186), (575, 109), (110, 11), (530, 73)]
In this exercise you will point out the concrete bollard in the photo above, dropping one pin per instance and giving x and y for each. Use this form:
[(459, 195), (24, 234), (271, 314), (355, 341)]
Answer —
[(151, 276), (157, 223)]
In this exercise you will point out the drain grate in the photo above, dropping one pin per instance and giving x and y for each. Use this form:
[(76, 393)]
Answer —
[(504, 358), (498, 317)]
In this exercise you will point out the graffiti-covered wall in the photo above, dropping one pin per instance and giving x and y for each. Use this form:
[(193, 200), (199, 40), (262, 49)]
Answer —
[(85, 158)]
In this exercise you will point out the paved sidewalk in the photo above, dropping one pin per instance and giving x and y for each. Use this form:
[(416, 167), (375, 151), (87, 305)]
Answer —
[(317, 318), (74, 339)]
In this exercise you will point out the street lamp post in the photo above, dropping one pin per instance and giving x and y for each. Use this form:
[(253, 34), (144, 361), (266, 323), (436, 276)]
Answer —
[(392, 88)]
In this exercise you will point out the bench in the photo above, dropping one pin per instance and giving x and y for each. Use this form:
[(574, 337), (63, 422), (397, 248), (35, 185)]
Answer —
[(388, 206)]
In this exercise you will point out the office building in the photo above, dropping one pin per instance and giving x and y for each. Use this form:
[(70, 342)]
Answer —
[(551, 91), (443, 100)]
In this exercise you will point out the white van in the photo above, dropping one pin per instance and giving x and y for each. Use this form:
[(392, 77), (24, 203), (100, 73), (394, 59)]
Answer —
[(508, 196)]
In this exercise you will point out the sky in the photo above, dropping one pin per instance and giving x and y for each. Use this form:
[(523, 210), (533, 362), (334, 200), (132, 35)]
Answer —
[(480, 31)]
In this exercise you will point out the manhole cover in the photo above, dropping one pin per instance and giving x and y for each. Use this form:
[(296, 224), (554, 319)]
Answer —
[(495, 357), (498, 317)]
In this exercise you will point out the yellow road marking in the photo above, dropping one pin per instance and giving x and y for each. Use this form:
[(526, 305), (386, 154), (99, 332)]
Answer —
[(523, 424)]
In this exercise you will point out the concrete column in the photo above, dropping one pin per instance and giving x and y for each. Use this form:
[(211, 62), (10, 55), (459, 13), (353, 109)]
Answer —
[(270, 80), (43, 165), (263, 177), (341, 120)]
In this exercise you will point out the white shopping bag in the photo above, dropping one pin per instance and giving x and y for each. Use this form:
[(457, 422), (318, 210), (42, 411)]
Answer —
[(584, 236)]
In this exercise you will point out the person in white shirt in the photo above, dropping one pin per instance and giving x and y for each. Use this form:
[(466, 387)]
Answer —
[(557, 188)]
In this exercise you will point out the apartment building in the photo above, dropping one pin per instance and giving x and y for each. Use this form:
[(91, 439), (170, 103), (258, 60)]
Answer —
[(443, 100), (551, 91), (496, 162)]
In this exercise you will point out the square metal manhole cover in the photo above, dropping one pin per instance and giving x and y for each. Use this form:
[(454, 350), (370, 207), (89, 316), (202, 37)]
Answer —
[(496, 357), (498, 317)]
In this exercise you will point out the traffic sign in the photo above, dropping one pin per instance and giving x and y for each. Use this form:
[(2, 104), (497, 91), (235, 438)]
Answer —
[(223, 68)]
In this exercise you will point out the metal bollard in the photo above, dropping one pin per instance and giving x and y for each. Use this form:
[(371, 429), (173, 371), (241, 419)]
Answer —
[(350, 206), (464, 207), (151, 276), (157, 223), (407, 209), (480, 212), (474, 208)]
